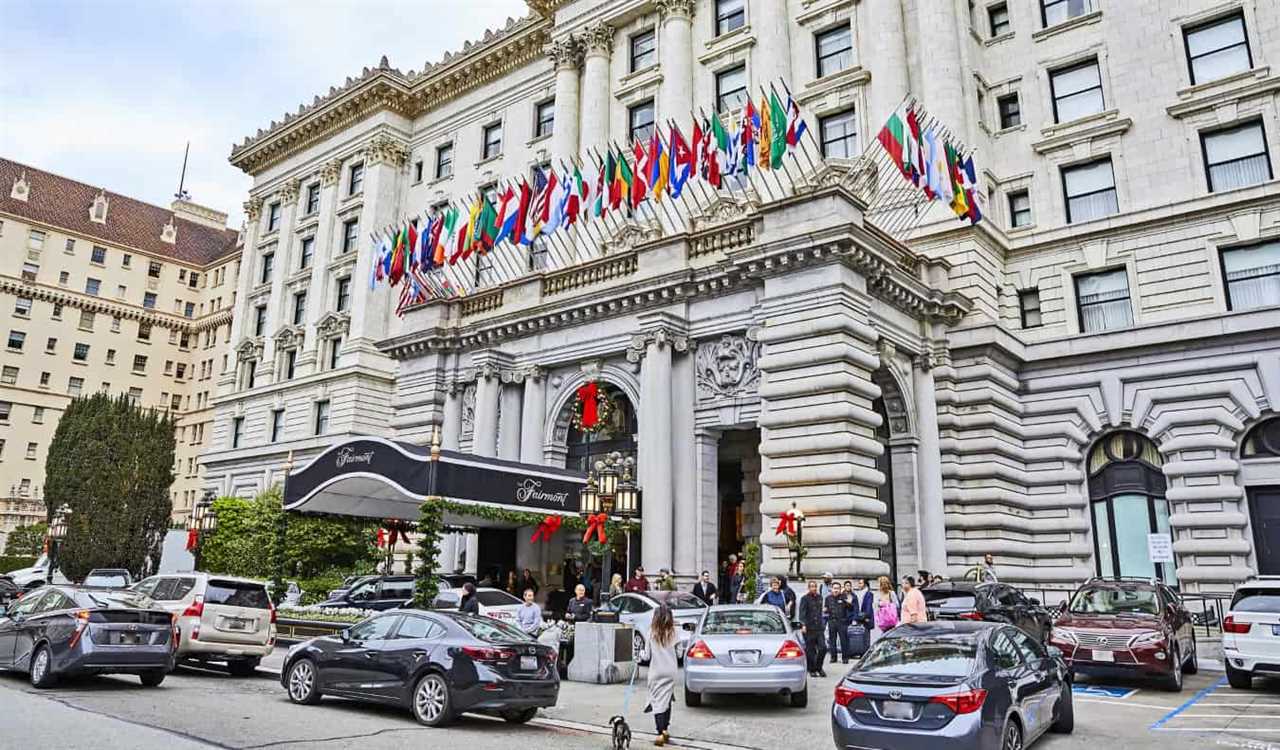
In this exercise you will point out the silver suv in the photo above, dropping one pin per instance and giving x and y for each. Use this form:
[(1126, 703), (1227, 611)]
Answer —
[(220, 618)]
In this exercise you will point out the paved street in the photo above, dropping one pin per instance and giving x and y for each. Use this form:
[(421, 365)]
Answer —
[(200, 708)]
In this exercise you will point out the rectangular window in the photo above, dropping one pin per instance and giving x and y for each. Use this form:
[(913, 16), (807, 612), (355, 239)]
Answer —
[(81, 353), (75, 386), (1090, 191), (153, 269), (730, 15), (277, 424), (180, 370), (35, 239), (111, 356), (115, 325), (313, 199), (640, 121), (492, 141), (839, 135), (126, 260), (1236, 157), (237, 431), (259, 320), (299, 308), (51, 345), (273, 217), (189, 310), (1102, 300), (22, 307), (1010, 110), (70, 247), (16, 339), (1054, 12), (144, 331), (444, 161), (1252, 275), (335, 346), (835, 50), (6, 408), (29, 271), (37, 415), (9, 376), (418, 170), (268, 266), (86, 320), (1217, 49), (31, 451), (139, 363), (322, 417), (1077, 91), (644, 49), (193, 280), (307, 251), (98, 255), (731, 88), (1019, 209), (122, 291), (998, 16), (355, 178), (149, 300), (91, 286), (350, 234), (1029, 305), (344, 294)]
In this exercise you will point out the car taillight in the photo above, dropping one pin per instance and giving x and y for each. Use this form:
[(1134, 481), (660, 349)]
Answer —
[(1230, 625), (478, 653), (175, 633), (195, 608), (962, 703), (789, 650), (272, 608), (700, 650), (82, 624), (847, 695), (970, 615)]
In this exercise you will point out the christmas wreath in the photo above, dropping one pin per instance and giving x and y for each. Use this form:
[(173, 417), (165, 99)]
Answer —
[(591, 408)]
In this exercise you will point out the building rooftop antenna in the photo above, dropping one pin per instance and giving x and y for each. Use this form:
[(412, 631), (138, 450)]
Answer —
[(182, 194)]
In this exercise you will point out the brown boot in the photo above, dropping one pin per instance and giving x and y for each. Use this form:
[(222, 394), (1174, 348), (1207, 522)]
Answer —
[(660, 740)]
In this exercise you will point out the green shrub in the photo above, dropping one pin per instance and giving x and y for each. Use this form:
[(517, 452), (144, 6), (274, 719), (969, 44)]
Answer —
[(315, 590), (15, 562)]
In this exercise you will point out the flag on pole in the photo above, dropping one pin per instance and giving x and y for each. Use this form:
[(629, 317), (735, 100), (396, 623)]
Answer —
[(795, 124), (681, 159), (506, 218), (659, 168), (639, 178), (777, 131), (750, 121), (523, 203)]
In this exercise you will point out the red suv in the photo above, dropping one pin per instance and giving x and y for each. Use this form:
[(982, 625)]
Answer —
[(1122, 627)]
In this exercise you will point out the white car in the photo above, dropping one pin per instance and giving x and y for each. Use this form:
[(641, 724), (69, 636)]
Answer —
[(1251, 632), (37, 575), (636, 609), (494, 603)]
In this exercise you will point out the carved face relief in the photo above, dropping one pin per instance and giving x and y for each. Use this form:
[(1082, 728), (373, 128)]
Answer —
[(468, 409), (727, 368)]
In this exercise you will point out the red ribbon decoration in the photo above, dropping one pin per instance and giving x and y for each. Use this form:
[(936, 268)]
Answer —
[(549, 526), (193, 539), (390, 532), (596, 524), (786, 524), (587, 395), (382, 537)]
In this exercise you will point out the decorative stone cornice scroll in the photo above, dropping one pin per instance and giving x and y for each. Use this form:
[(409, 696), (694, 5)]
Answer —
[(598, 40), (679, 8), (488, 371), (726, 367), (289, 337), (253, 209), (333, 324), (249, 350), (330, 172), (659, 336), (289, 193), (384, 148), (631, 235), (565, 54)]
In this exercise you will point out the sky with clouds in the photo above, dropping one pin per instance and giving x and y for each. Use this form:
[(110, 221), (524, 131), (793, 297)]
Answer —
[(109, 91)]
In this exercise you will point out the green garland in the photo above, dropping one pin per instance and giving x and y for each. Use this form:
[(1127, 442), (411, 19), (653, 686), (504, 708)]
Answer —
[(516, 517), (430, 523), (751, 570)]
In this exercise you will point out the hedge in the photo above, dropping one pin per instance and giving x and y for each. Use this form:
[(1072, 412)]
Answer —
[(15, 562)]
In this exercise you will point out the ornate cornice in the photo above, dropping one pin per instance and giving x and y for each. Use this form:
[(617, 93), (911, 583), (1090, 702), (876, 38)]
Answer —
[(289, 337), (383, 148), (598, 40), (676, 8), (658, 336), (289, 192), (249, 350), (253, 209), (565, 54), (36, 291), (330, 172), (333, 324)]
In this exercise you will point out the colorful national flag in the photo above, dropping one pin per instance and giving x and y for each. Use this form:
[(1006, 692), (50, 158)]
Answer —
[(640, 178), (682, 158), (777, 132), (659, 168), (795, 124), (506, 219)]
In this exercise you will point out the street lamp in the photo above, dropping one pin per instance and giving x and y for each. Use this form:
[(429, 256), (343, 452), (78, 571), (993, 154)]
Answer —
[(204, 520), (57, 532), (611, 490)]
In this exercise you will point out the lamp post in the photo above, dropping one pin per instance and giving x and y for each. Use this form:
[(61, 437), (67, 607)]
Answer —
[(204, 521), (612, 491), (57, 532)]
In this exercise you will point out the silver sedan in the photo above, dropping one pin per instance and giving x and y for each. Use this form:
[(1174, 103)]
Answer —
[(745, 648)]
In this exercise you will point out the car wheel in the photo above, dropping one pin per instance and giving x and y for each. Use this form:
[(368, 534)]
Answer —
[(1192, 665), (692, 699), (152, 677), (242, 667), (1173, 682), (304, 682), (1239, 679), (431, 701), (638, 650), (42, 675), (1065, 721), (519, 717), (800, 698), (1012, 736)]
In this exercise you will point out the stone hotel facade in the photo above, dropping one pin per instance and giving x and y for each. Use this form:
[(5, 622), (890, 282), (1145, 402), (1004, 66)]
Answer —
[(1096, 362)]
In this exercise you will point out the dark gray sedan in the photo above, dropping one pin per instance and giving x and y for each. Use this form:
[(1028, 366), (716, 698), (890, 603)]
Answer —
[(952, 686), (61, 630)]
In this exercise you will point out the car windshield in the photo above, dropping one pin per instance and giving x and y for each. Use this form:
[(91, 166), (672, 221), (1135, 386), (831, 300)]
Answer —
[(109, 599), (237, 594), (107, 580), (677, 599), (950, 599), (743, 622), (942, 657), (1257, 600), (1115, 601), (491, 631), (496, 598)]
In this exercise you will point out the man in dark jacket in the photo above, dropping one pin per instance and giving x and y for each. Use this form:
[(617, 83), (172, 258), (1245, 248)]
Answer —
[(579, 608), (811, 626), (705, 590), (469, 603), (839, 613), (790, 595)]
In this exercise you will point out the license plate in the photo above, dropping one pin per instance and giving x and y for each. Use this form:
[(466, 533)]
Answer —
[(528, 663), (745, 658), (128, 639), (237, 624), (897, 710), (1103, 655)]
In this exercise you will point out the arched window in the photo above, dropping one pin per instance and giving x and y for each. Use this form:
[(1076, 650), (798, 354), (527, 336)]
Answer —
[(1263, 441), (617, 433), (1127, 503)]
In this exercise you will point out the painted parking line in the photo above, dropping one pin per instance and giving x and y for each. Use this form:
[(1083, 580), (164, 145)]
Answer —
[(1102, 691), (1199, 696)]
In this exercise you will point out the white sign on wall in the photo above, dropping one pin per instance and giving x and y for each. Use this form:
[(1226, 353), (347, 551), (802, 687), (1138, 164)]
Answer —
[(1160, 548)]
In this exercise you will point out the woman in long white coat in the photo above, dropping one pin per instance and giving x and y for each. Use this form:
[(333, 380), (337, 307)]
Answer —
[(663, 671)]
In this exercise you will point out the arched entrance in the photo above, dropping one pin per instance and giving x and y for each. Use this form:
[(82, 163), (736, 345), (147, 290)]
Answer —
[(884, 493), (1127, 503)]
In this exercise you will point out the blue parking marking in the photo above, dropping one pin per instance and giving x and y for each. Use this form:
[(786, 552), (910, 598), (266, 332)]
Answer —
[(1102, 691), (1190, 702)]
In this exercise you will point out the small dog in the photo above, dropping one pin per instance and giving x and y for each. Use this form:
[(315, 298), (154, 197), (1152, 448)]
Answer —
[(621, 733)]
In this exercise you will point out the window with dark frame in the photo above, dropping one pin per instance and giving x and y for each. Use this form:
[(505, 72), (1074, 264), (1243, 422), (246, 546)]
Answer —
[(644, 49), (343, 297), (268, 266), (355, 178), (640, 121), (1077, 91), (444, 161), (998, 19), (418, 169), (306, 252), (273, 217), (731, 88), (153, 269), (1236, 157), (98, 255), (335, 347), (290, 363), (313, 198), (322, 417), (492, 141), (1102, 301), (839, 134), (1252, 275), (299, 308), (1010, 110), (730, 15), (350, 234), (834, 49), (1217, 48), (1054, 12), (277, 424), (1090, 190), (1029, 308), (237, 431), (259, 320), (1019, 209), (545, 118)]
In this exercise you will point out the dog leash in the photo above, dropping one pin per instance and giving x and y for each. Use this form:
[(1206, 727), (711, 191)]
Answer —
[(631, 684)]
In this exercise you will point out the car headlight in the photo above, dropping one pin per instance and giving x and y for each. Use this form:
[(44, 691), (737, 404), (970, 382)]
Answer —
[(1062, 634), (1154, 638)]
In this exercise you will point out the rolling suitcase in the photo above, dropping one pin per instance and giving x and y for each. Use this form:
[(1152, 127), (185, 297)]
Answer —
[(859, 639)]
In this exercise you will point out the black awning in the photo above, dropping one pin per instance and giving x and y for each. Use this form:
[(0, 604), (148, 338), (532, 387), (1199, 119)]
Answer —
[(371, 477)]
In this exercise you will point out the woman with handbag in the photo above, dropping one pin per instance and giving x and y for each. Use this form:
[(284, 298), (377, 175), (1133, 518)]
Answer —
[(884, 608)]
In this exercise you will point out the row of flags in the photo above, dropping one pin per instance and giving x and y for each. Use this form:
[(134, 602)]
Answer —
[(930, 161), (552, 200)]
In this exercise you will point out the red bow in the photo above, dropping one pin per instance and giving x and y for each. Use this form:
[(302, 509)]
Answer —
[(786, 524), (596, 524), (590, 412), (193, 539), (382, 537), (549, 526), (391, 532)]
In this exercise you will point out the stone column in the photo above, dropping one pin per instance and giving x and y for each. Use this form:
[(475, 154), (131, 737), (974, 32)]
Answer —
[(510, 393), (448, 558), (383, 158), (566, 56), (532, 415), (473, 554), (943, 77), (707, 455), (452, 431), (484, 436), (771, 58), (654, 349), (933, 528), (887, 62), (249, 260), (684, 469), (596, 90), (280, 306), (676, 47), (323, 287)]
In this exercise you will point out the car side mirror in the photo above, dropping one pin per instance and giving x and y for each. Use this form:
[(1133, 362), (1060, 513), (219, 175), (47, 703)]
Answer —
[(688, 626)]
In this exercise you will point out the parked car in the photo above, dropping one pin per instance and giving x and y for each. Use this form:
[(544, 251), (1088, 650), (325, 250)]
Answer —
[(1127, 627), (494, 603), (1251, 632), (347, 583), (37, 575), (745, 648), (220, 618), (636, 609), (108, 578), (375, 592), (436, 664), (947, 685), (9, 591), (996, 602), (61, 630)]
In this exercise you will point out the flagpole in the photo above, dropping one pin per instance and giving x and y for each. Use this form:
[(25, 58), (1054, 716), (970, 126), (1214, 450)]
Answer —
[(677, 223), (589, 220)]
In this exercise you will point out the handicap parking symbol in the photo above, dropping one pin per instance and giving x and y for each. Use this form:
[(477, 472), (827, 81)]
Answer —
[(1102, 691)]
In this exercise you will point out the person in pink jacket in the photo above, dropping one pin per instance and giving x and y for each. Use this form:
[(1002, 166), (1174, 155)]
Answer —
[(913, 607)]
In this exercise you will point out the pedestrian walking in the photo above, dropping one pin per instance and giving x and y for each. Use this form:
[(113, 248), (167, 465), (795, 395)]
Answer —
[(987, 573), (579, 608), (469, 603), (704, 589), (886, 608), (811, 627), (775, 596), (838, 608), (529, 616), (637, 583), (663, 670), (914, 611)]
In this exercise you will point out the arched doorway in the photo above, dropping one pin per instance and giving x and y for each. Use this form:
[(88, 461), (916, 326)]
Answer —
[(884, 493), (1260, 448), (1127, 504)]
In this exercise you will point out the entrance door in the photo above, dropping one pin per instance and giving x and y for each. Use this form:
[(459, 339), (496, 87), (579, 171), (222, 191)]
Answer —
[(496, 556), (1264, 510)]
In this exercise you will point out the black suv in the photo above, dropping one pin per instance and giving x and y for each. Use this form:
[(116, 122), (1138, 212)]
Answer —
[(376, 592), (993, 602)]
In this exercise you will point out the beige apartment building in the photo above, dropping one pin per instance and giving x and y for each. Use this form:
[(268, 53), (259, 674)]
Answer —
[(101, 292)]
